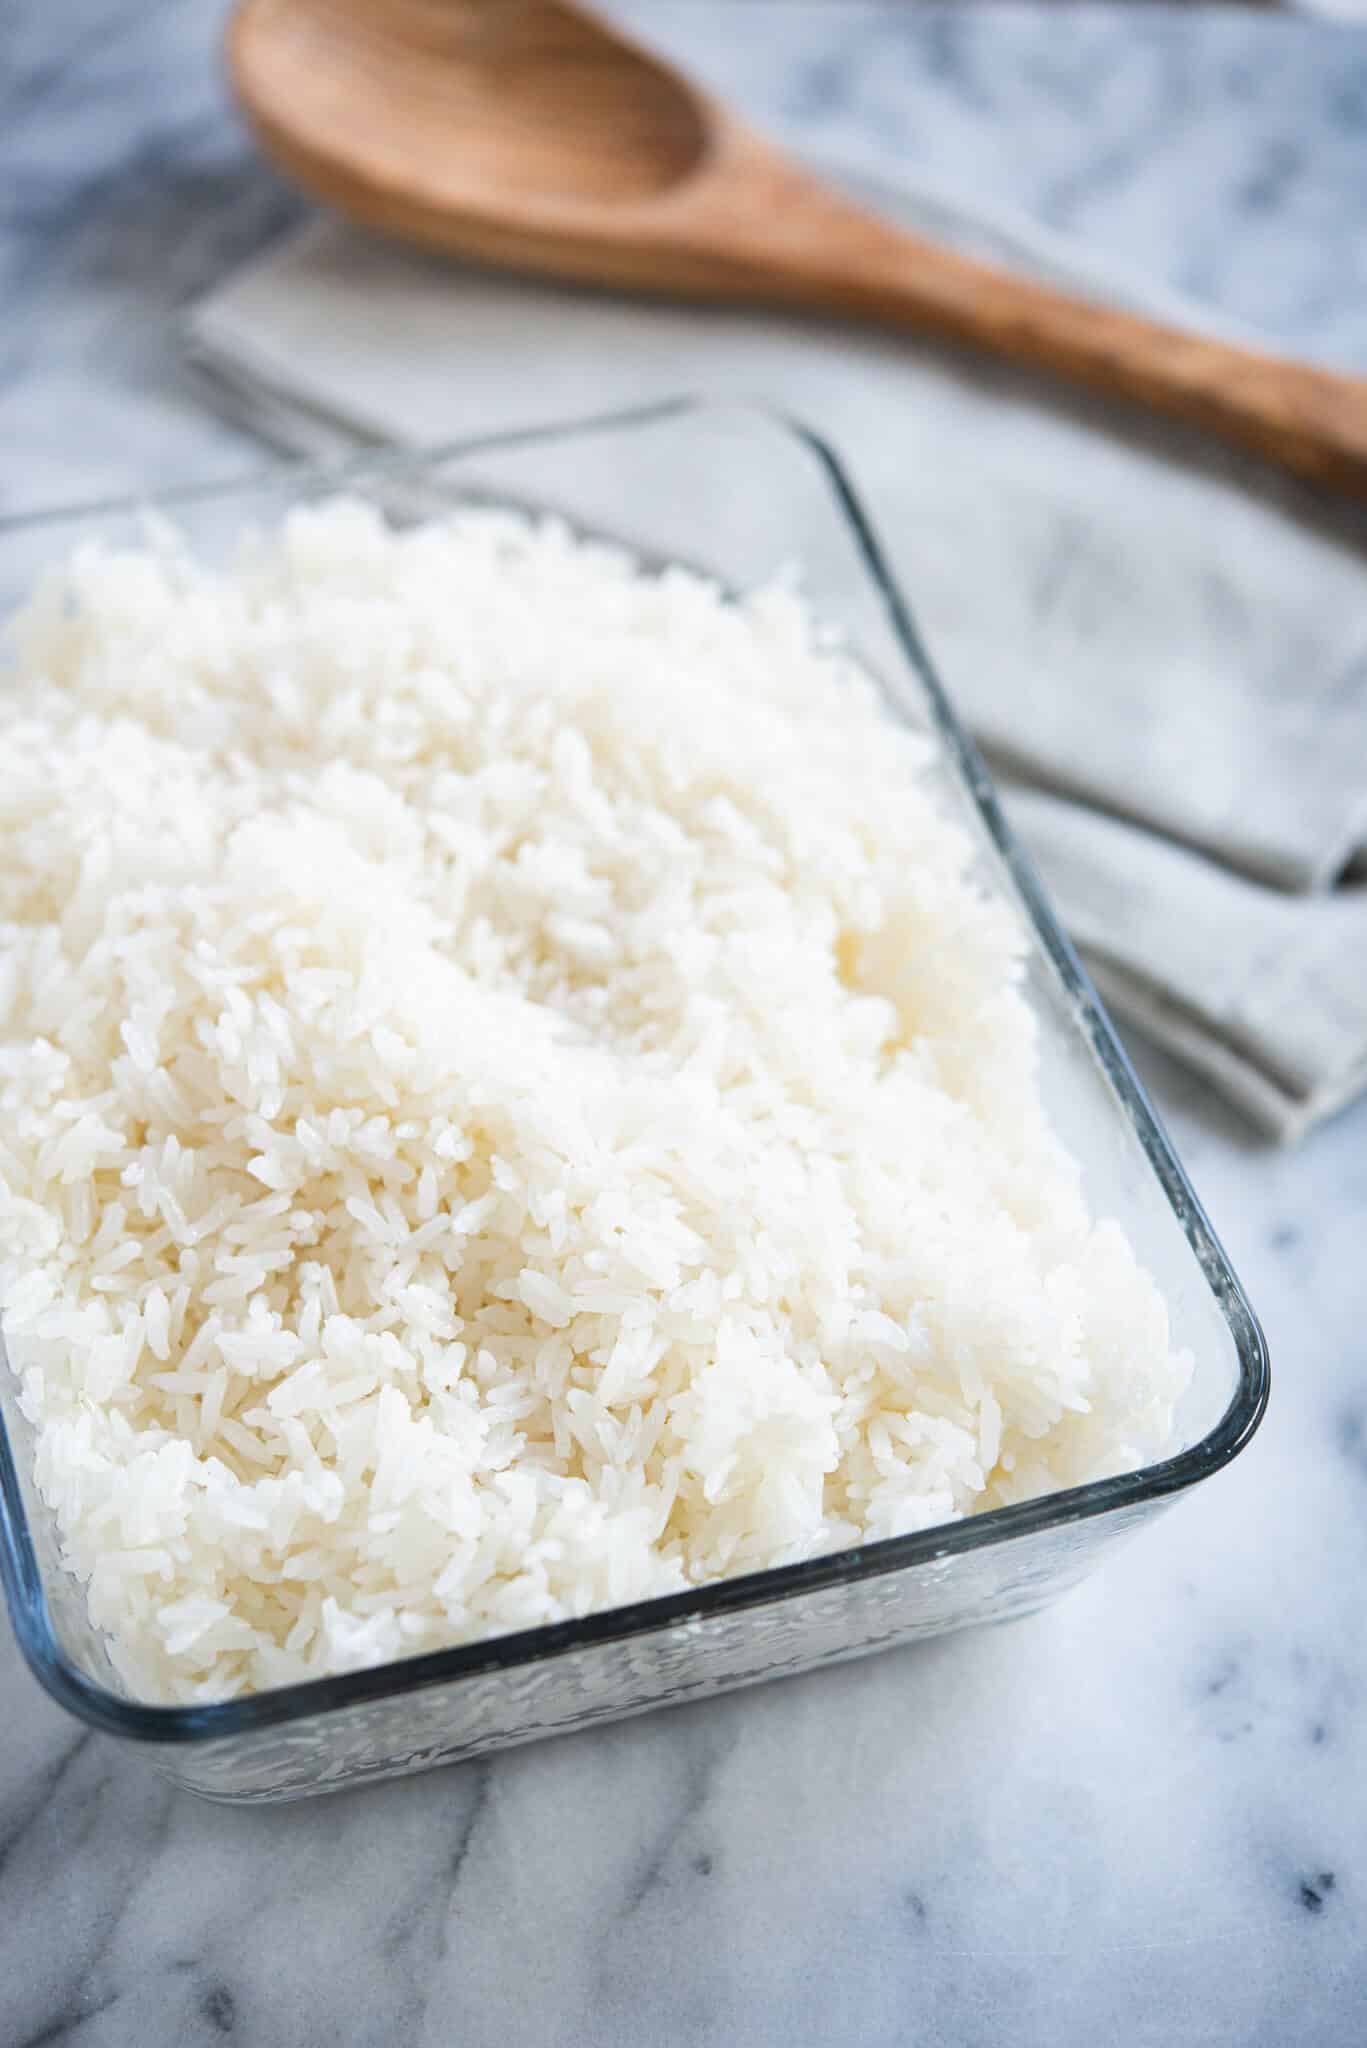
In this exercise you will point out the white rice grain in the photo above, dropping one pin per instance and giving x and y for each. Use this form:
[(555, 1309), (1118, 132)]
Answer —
[(510, 1101)]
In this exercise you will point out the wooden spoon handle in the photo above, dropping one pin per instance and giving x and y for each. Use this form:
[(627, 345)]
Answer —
[(1312, 421), (823, 252)]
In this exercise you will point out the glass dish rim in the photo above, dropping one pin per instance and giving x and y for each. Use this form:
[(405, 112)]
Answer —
[(147, 1721)]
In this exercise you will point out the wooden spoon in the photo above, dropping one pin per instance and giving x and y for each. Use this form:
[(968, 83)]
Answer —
[(528, 134)]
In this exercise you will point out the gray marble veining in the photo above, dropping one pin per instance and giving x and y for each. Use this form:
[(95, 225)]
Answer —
[(1140, 1818)]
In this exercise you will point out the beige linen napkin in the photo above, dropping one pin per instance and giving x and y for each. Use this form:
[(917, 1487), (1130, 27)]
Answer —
[(1164, 635)]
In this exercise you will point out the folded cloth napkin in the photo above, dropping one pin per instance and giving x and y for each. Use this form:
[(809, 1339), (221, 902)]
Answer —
[(1169, 646)]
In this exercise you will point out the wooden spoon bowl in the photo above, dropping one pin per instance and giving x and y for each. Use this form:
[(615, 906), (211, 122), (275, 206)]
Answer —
[(448, 105), (527, 134)]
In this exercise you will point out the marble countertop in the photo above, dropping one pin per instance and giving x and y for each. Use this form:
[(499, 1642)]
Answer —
[(1140, 1818)]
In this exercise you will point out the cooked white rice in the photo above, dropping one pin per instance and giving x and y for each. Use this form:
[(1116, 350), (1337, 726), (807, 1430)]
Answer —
[(509, 1103)]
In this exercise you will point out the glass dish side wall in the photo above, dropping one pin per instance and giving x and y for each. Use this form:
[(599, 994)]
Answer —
[(661, 1667), (736, 492)]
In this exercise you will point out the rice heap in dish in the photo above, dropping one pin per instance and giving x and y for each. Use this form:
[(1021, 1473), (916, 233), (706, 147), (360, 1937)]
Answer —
[(510, 1103)]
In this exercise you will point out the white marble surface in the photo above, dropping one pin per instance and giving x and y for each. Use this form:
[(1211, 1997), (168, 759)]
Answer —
[(1138, 1819)]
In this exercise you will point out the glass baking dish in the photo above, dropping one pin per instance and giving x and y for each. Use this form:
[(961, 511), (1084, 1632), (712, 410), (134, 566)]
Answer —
[(740, 493)]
